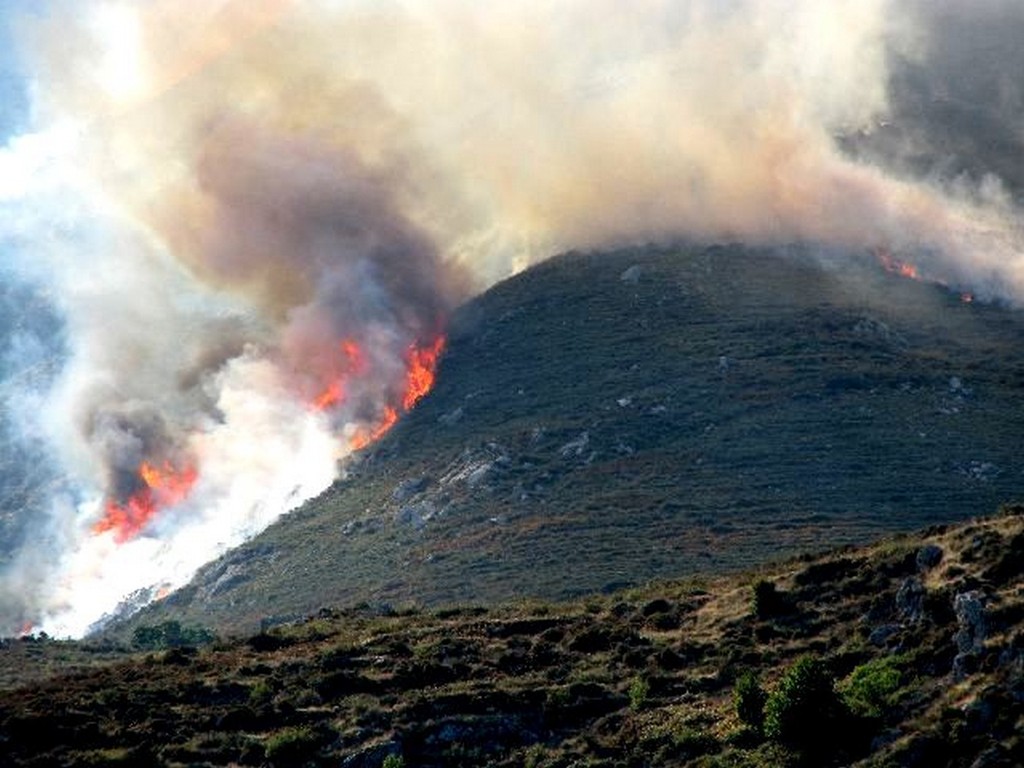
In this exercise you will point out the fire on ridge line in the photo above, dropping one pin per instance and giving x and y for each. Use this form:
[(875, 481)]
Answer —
[(166, 483)]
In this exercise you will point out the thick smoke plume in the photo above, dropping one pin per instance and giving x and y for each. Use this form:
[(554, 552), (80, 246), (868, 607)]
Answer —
[(253, 218)]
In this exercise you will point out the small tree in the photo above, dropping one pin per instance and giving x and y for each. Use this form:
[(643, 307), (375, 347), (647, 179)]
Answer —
[(872, 687), (804, 709), (768, 602), (638, 691), (749, 699)]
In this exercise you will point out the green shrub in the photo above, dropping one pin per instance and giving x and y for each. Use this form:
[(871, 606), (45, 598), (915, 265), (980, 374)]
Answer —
[(261, 693), (170, 634), (872, 688), (638, 691), (749, 699), (804, 709), (291, 745), (393, 761)]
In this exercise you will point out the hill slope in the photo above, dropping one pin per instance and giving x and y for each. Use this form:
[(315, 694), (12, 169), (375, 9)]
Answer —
[(920, 635), (602, 420)]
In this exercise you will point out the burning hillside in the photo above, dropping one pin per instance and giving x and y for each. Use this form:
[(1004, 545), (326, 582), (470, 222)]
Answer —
[(254, 220)]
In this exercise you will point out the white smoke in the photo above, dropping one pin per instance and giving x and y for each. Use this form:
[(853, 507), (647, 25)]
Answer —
[(218, 195)]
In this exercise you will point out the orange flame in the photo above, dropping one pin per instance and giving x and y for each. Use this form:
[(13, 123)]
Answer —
[(419, 379), (895, 266), (162, 486), (330, 397), (354, 364), (422, 366), (366, 435)]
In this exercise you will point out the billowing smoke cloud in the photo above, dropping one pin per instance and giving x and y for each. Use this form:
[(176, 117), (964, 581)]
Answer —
[(254, 217)]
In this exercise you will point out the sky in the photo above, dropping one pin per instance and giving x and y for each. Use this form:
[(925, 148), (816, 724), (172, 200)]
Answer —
[(252, 218)]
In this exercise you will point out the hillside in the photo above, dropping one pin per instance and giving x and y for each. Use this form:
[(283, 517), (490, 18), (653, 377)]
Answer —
[(602, 420), (906, 653)]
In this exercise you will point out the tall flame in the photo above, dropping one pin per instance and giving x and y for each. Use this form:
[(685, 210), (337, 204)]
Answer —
[(159, 487), (422, 366), (421, 370), (353, 363)]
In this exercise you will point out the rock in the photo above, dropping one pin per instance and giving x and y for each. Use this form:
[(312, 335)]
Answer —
[(928, 556), (452, 417), (415, 515), (372, 756), (910, 599), (970, 616), (970, 636), (575, 447), (880, 636), (409, 488), (631, 275), (479, 475)]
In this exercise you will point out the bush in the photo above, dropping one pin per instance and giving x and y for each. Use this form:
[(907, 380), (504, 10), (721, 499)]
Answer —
[(170, 634), (291, 745), (638, 691), (393, 761), (804, 709), (872, 688), (749, 699), (768, 601)]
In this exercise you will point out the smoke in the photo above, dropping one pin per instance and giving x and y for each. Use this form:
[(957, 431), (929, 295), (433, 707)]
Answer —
[(249, 215)]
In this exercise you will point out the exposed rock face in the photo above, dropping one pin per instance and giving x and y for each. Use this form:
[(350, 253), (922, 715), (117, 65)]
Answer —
[(971, 631), (910, 599), (928, 556)]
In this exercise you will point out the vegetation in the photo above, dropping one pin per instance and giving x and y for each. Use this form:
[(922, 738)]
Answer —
[(749, 699), (873, 688), (638, 692), (170, 634), (671, 674), (804, 710)]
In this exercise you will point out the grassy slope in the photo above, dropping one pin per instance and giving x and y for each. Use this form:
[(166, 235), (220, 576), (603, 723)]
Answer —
[(640, 678), (585, 434)]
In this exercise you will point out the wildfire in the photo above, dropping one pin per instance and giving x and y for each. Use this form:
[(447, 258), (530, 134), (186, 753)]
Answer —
[(160, 487), (421, 366), (420, 376), (353, 364), (366, 435), (906, 269), (163, 485), (895, 266)]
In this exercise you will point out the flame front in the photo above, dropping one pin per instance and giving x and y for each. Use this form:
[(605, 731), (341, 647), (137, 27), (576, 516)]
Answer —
[(159, 487), (421, 371), (895, 266), (422, 367)]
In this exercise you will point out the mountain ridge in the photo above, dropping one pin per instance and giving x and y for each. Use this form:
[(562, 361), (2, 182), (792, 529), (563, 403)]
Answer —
[(604, 419)]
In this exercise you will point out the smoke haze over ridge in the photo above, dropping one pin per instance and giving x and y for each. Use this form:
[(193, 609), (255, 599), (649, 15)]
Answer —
[(216, 195)]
